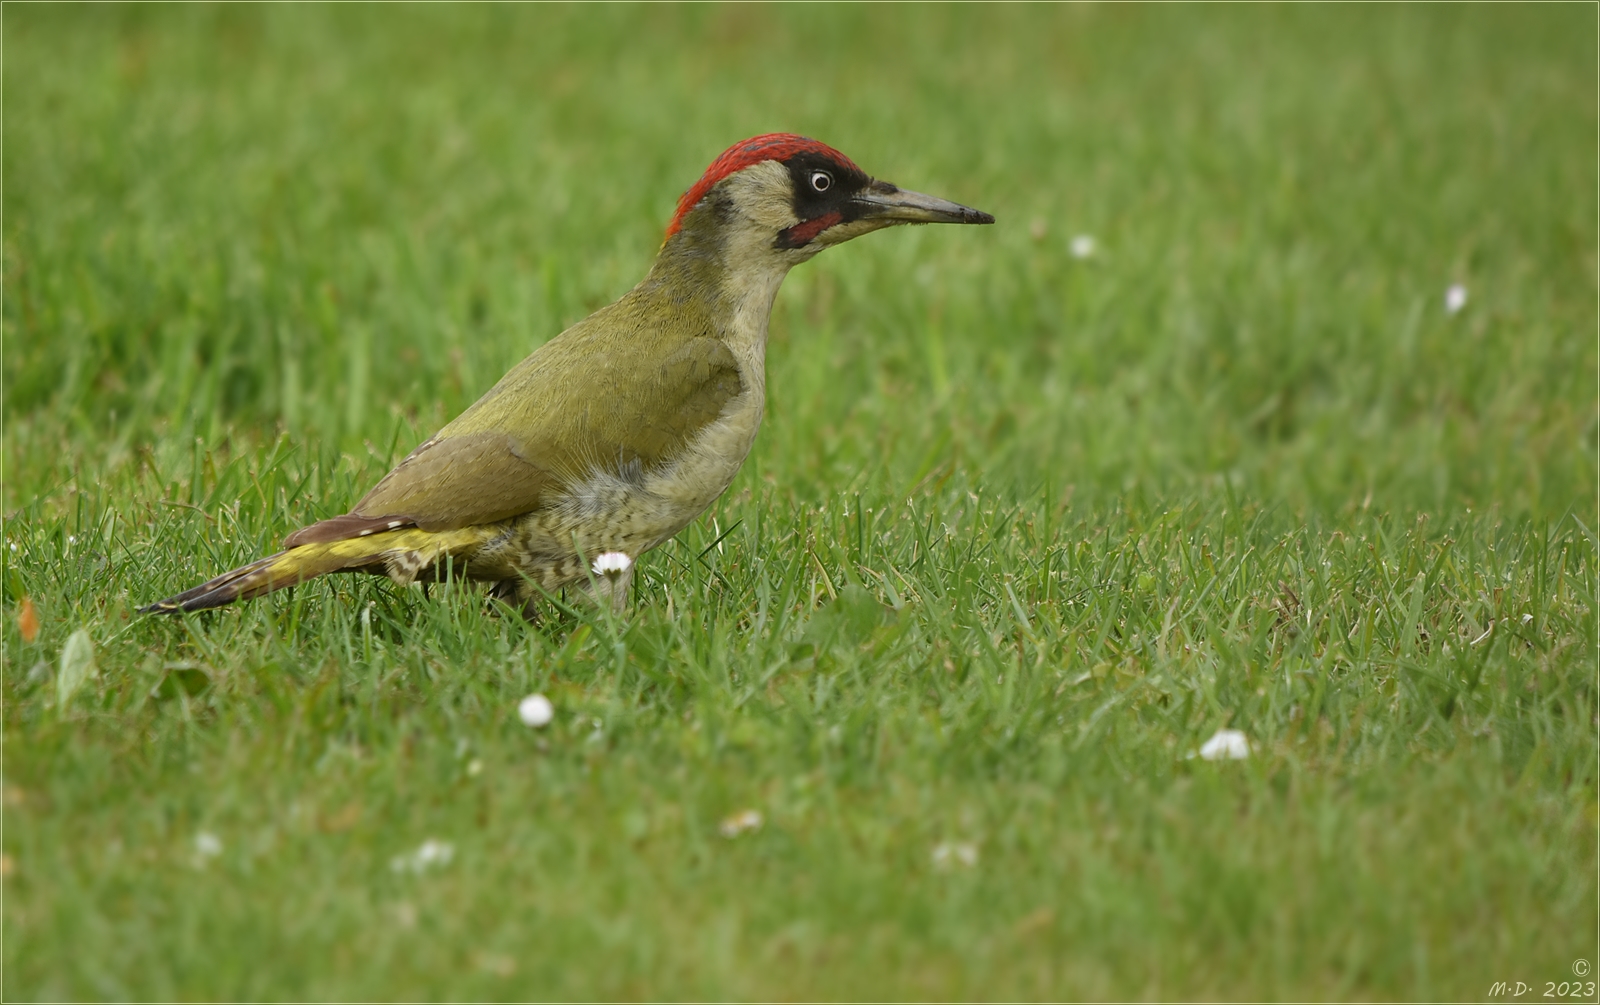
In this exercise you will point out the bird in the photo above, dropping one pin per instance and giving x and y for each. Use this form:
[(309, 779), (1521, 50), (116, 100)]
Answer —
[(614, 435)]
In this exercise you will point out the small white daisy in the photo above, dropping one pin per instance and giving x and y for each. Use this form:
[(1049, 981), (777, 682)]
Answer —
[(1226, 745), (206, 846), (535, 710), (429, 854), (1082, 246), (952, 853), (1455, 298), (611, 563), (744, 820)]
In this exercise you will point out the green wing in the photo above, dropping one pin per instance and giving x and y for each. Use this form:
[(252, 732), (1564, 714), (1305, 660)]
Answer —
[(623, 391)]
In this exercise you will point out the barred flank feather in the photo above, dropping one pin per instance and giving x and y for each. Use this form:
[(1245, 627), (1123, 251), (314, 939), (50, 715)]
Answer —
[(402, 553)]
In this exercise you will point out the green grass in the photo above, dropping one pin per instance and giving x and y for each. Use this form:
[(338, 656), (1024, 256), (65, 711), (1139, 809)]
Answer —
[(1021, 531)]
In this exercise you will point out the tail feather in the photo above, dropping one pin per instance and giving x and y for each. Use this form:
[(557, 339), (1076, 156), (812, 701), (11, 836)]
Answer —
[(286, 568), (296, 565)]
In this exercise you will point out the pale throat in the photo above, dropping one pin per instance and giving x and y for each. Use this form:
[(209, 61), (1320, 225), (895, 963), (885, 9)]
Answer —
[(750, 294), (735, 228)]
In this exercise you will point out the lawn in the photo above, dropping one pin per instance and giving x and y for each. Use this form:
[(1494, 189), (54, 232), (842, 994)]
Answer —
[(1190, 439)]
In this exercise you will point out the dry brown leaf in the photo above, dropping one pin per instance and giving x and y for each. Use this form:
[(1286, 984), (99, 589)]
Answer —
[(27, 620)]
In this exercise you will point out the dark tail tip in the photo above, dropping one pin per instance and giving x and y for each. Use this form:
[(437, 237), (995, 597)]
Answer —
[(202, 598), (183, 602), (245, 581)]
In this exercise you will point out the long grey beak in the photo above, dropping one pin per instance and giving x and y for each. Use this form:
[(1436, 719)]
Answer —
[(882, 201)]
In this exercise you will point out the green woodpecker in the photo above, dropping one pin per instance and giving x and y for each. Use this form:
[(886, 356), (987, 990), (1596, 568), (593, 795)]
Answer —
[(614, 435)]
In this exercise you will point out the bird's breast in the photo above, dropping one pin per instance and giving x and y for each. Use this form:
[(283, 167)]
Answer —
[(632, 508), (707, 466)]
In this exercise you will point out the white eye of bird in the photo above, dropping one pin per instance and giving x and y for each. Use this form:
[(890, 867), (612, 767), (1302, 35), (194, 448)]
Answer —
[(821, 180)]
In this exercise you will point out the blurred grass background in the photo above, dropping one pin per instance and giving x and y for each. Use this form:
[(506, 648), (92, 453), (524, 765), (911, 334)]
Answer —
[(1021, 529)]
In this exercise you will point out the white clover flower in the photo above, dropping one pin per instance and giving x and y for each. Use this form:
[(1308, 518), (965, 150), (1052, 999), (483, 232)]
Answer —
[(1455, 298), (1226, 745), (611, 563), (1082, 246), (744, 820), (535, 710)]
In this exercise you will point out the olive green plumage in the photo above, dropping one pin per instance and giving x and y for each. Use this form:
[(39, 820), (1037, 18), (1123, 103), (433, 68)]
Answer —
[(622, 392), (628, 386), (308, 561), (611, 437)]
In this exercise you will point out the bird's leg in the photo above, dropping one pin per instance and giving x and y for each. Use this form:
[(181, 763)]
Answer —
[(518, 593), (608, 589), (530, 611)]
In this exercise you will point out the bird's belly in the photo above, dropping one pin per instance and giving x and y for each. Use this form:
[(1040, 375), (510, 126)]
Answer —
[(630, 512)]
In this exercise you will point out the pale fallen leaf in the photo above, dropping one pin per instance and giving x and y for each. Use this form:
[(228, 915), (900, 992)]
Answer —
[(77, 666)]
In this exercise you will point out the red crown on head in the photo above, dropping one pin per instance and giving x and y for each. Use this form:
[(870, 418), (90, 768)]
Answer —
[(767, 147)]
